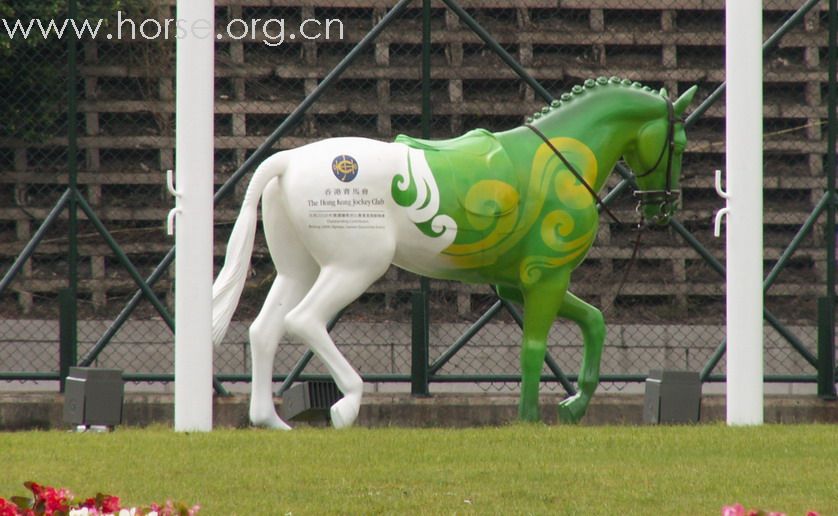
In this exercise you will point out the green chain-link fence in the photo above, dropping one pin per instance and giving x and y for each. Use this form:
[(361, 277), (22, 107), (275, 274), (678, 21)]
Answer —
[(668, 314)]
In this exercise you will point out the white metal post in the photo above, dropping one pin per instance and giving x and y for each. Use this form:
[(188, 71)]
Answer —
[(194, 211), (743, 69)]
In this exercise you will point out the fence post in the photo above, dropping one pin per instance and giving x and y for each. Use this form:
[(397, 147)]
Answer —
[(67, 343), (826, 348), (826, 305), (67, 298), (744, 239), (72, 156), (194, 111), (421, 322), (419, 345)]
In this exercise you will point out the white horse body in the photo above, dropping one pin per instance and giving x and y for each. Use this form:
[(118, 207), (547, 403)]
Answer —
[(331, 234)]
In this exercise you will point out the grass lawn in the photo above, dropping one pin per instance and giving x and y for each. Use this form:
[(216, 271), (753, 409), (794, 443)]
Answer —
[(517, 469)]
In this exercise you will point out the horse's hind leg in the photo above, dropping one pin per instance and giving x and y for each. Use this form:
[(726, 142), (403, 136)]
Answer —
[(265, 333), (336, 286), (592, 324), (296, 273)]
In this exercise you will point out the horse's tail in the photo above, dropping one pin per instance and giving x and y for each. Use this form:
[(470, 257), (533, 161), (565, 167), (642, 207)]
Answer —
[(230, 281)]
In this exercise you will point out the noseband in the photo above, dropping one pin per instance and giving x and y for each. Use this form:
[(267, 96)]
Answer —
[(667, 197)]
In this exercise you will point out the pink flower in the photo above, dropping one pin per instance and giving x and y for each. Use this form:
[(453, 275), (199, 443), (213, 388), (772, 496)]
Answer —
[(54, 500), (7, 508), (110, 504), (49, 501), (733, 510)]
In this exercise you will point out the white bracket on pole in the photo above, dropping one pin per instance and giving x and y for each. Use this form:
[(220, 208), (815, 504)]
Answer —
[(744, 243), (170, 219), (194, 111), (717, 227)]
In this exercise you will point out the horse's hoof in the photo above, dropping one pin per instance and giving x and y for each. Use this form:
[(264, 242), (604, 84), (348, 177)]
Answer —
[(573, 409), (273, 421), (345, 411)]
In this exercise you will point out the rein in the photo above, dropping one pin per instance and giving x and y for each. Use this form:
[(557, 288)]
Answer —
[(634, 251)]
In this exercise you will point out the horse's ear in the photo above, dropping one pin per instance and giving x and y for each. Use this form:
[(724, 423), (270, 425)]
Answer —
[(684, 100)]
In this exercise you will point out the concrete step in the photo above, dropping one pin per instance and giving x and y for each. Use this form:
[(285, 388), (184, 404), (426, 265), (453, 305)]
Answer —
[(25, 411)]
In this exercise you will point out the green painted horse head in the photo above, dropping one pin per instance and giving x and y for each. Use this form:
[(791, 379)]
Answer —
[(643, 123)]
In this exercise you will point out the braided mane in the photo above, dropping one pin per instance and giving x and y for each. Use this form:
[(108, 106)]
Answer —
[(580, 89)]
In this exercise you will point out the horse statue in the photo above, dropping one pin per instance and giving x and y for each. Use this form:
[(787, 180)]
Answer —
[(516, 209)]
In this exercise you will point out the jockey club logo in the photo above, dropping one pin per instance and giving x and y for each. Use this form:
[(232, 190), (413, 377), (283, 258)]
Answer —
[(345, 168)]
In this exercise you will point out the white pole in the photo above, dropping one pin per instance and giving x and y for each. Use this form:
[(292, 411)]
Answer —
[(193, 235), (743, 69)]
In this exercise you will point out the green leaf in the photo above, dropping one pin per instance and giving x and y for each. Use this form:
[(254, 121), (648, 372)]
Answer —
[(23, 502)]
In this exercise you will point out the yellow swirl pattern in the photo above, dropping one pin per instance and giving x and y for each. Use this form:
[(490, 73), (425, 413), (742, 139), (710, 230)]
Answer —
[(557, 226), (515, 215), (489, 196), (532, 266), (569, 190), (489, 199)]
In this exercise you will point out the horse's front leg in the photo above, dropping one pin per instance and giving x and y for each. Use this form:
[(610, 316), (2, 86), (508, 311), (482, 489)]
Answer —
[(541, 303), (592, 324)]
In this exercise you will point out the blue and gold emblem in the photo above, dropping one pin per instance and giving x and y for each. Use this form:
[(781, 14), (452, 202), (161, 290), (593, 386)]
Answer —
[(345, 167)]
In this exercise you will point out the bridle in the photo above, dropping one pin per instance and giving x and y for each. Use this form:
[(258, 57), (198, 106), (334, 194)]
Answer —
[(667, 197)]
